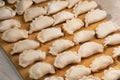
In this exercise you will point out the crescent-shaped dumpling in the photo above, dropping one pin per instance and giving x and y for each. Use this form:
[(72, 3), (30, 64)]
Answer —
[(6, 13), (9, 24), (77, 72), (90, 48), (49, 34), (40, 69), (15, 34), (106, 28), (101, 63), (62, 16), (73, 25), (83, 7), (22, 5), (94, 16), (56, 6), (27, 44), (40, 23), (66, 58), (57, 47), (2, 3), (112, 39), (83, 36), (111, 74), (28, 57), (33, 12)]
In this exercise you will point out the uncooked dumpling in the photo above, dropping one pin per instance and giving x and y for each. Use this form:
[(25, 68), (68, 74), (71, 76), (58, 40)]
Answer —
[(112, 39), (8, 24), (62, 16), (33, 12), (6, 13), (15, 34), (116, 52), (40, 23), (94, 16), (101, 63), (90, 48), (111, 74), (57, 47), (39, 1), (2, 3), (77, 72), (20, 46), (22, 5), (83, 7), (11, 1), (40, 69), (54, 78), (56, 6), (71, 3), (66, 58), (28, 57), (89, 78), (106, 28), (49, 34), (73, 25), (83, 36)]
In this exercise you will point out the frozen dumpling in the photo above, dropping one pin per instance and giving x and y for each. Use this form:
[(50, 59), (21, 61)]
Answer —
[(40, 69), (48, 34), (40, 23), (73, 25), (15, 34), (20, 46), (28, 57), (9, 24)]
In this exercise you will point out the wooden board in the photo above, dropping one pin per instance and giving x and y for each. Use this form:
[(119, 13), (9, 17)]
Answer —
[(50, 59)]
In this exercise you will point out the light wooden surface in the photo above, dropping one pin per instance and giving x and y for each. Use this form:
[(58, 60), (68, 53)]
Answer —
[(50, 59)]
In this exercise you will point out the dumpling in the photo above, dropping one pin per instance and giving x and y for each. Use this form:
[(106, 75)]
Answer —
[(66, 58), (106, 28), (8, 24), (59, 46), (39, 1), (90, 48), (15, 34), (116, 52), (112, 39), (54, 78), (33, 12), (94, 16), (83, 7), (62, 16), (40, 23), (73, 25), (56, 6), (2, 3), (49, 34), (11, 1), (89, 78), (77, 72), (101, 63), (111, 74), (22, 5), (28, 57), (72, 3), (40, 69), (83, 36), (6, 13), (20, 46)]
